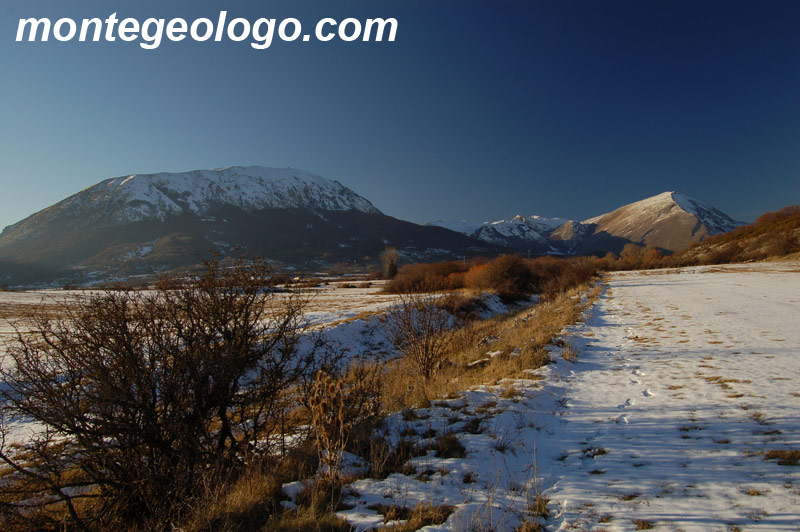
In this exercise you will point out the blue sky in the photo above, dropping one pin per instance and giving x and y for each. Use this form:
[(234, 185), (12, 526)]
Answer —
[(479, 110)]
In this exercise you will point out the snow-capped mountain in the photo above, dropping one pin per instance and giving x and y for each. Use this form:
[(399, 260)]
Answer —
[(663, 205), (670, 221), (520, 232), (147, 222), (144, 223), (142, 197)]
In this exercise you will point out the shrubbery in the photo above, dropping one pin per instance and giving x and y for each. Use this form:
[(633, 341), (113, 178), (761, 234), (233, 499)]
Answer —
[(509, 276), (146, 397)]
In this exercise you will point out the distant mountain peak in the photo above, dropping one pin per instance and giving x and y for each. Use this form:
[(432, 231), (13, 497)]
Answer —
[(669, 220)]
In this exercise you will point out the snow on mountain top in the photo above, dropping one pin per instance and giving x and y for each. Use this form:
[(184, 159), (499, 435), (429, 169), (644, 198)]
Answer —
[(715, 220), (468, 227), (532, 228), (649, 205), (147, 196)]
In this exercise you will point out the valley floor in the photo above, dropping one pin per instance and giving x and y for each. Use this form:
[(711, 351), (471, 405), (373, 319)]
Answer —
[(685, 380)]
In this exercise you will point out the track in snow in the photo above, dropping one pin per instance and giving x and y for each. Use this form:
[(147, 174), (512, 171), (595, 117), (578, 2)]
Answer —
[(687, 378)]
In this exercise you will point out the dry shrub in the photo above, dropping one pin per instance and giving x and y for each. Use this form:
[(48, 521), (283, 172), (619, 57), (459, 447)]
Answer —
[(509, 276), (428, 277), (475, 276), (422, 330), (149, 396), (554, 275)]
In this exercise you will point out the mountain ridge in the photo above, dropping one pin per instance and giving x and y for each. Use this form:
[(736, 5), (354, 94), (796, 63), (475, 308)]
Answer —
[(650, 221), (138, 197), (147, 223)]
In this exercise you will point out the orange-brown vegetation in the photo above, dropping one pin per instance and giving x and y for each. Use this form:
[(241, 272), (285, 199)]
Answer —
[(510, 276), (772, 235)]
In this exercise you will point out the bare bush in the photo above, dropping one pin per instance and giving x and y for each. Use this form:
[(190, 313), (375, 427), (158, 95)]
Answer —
[(390, 259), (509, 276), (422, 330), (144, 396), (428, 277)]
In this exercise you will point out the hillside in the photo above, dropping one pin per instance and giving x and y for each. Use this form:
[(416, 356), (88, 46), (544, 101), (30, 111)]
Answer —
[(669, 221), (772, 235), (156, 222)]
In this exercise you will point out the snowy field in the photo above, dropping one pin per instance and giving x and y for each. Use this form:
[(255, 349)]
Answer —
[(328, 303), (684, 381)]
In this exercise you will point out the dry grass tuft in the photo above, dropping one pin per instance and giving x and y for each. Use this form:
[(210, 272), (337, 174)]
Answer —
[(415, 518), (785, 457)]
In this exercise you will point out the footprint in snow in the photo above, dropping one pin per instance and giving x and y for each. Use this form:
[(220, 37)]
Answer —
[(648, 393), (626, 404)]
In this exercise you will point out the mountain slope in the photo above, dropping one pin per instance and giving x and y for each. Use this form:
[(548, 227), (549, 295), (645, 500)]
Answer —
[(147, 197), (521, 233), (670, 221), (154, 222), (772, 235)]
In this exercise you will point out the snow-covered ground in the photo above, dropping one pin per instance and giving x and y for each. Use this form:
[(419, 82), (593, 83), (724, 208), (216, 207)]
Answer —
[(685, 379), (344, 300)]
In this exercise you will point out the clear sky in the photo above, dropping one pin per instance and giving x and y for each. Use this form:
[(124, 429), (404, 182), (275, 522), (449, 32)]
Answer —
[(479, 110)]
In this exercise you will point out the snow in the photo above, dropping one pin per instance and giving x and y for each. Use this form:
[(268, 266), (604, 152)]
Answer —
[(684, 380), (666, 203), (155, 196), (534, 228)]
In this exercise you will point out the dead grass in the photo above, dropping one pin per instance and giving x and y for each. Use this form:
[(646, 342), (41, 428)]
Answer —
[(252, 502), (415, 518), (525, 332), (301, 521), (785, 457), (568, 353), (530, 526), (447, 446)]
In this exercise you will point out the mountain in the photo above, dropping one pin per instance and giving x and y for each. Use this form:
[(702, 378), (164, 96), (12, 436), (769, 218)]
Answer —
[(771, 235), (143, 223), (521, 233), (670, 221), (146, 223)]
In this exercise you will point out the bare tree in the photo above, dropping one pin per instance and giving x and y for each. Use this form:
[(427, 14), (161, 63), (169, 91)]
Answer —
[(422, 330), (142, 395), (389, 261)]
